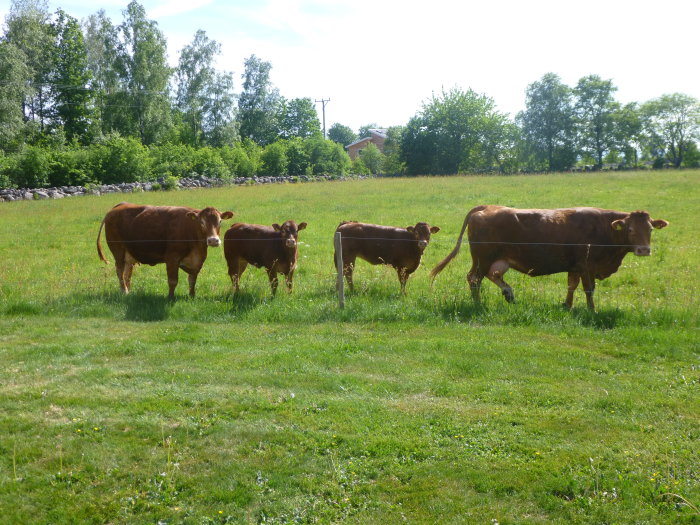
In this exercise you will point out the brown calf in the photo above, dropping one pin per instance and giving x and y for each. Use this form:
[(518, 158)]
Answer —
[(273, 248), (174, 235), (401, 248), (587, 243)]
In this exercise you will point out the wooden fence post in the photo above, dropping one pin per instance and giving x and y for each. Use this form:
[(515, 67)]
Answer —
[(340, 284)]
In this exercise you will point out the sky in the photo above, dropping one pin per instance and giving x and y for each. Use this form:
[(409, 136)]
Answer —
[(379, 61)]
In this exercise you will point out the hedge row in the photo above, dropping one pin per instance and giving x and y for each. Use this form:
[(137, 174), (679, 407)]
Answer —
[(123, 160)]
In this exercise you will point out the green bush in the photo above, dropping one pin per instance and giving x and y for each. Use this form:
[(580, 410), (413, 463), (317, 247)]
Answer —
[(172, 159), (327, 157), (274, 159), (32, 168), (121, 159), (71, 167), (207, 161), (169, 183)]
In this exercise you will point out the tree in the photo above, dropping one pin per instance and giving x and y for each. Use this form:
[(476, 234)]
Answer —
[(145, 73), (628, 132), (341, 134), (29, 29), (595, 109), (195, 76), (672, 122), (13, 78), (71, 78), (260, 104), (101, 44), (372, 158), (364, 130), (547, 124), (456, 132), (299, 119), (220, 127)]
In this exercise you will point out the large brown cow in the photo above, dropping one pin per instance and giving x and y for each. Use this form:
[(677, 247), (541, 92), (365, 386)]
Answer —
[(588, 243), (174, 235), (401, 248), (273, 248)]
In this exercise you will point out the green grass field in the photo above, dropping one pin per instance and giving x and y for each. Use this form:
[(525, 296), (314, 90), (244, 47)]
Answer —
[(418, 409)]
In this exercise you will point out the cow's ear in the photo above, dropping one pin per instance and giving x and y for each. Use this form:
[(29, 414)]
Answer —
[(434, 229), (410, 229), (226, 215), (659, 223), (192, 215), (276, 227), (618, 224), (301, 226)]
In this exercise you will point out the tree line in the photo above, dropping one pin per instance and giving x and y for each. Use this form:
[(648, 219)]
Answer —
[(97, 101)]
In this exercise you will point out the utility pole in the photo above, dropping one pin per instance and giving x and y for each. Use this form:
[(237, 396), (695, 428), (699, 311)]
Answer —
[(323, 106)]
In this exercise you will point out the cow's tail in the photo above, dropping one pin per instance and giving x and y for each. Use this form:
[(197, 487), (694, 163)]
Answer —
[(441, 265), (99, 246)]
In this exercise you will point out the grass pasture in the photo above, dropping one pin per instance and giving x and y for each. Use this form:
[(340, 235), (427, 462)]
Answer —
[(418, 409)]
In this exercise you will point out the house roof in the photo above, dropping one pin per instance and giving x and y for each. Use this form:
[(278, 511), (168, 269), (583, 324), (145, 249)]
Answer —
[(379, 132)]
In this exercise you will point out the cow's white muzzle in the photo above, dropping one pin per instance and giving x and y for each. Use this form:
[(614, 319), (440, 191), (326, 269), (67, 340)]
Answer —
[(291, 243), (213, 241), (642, 250), (422, 244)]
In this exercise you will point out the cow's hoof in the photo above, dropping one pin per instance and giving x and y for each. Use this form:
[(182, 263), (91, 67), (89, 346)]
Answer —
[(508, 294)]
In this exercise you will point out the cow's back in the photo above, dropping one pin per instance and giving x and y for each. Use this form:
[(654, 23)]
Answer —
[(377, 244), (541, 242), (149, 232), (258, 244)]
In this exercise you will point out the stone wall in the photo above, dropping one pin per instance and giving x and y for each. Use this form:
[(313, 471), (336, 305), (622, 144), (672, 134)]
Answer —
[(134, 187)]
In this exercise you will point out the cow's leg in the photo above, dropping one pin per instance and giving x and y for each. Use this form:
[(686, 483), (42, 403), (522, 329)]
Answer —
[(172, 268), (120, 265), (474, 277), (235, 269), (495, 275), (288, 277), (574, 279), (192, 279), (348, 267), (403, 277), (588, 283), (272, 276)]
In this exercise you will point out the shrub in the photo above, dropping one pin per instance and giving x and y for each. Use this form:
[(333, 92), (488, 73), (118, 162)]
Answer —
[(274, 159), (169, 183), (32, 168), (207, 161), (121, 159), (171, 159), (71, 167)]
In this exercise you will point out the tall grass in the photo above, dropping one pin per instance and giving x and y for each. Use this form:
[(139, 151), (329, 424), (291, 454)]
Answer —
[(423, 408)]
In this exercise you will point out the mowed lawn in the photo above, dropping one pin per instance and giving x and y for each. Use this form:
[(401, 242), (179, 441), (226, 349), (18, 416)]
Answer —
[(418, 409)]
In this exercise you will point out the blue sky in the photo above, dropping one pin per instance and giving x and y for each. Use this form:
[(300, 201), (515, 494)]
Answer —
[(379, 61)]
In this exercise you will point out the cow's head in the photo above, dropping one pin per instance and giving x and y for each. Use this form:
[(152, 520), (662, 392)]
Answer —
[(421, 231), (289, 231), (636, 228), (209, 221)]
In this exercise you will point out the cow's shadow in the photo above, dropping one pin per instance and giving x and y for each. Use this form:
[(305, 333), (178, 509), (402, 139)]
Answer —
[(243, 302), (146, 307)]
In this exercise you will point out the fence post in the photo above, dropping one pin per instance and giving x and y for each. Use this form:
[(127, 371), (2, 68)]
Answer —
[(340, 284)]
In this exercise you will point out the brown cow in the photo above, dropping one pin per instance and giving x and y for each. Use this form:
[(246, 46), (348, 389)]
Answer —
[(274, 248), (588, 243), (401, 248), (177, 236)]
